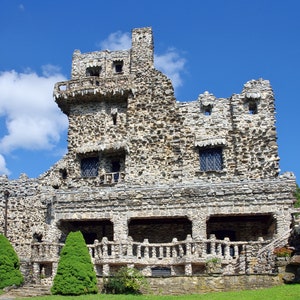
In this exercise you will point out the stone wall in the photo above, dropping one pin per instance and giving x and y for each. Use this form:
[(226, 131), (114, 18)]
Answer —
[(207, 284)]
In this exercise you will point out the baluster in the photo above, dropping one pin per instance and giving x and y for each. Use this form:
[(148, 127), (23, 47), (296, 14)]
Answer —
[(168, 250), (188, 245), (181, 252), (212, 244), (146, 244), (160, 253), (227, 248), (236, 253), (105, 247), (139, 251), (174, 250)]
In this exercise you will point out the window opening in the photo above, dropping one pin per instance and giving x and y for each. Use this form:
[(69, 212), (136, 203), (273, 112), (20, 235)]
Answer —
[(115, 168), (114, 118), (161, 271), (89, 166), (211, 159), (93, 71), (252, 108), (118, 66), (207, 110)]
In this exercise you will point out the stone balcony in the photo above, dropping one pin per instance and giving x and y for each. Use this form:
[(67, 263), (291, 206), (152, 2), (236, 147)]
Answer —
[(180, 257), (85, 89)]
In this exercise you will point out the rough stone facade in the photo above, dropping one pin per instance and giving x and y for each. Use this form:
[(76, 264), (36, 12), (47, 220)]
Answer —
[(165, 186)]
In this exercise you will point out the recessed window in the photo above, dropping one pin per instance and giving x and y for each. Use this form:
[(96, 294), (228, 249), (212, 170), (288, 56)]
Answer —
[(252, 105), (93, 71), (89, 166), (118, 66), (206, 110), (114, 118), (211, 159)]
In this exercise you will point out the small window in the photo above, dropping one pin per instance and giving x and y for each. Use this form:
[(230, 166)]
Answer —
[(114, 118), (118, 65), (207, 109), (93, 71), (252, 108), (89, 166), (211, 159), (161, 271)]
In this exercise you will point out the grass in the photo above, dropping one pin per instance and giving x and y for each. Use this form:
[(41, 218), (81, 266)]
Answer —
[(283, 292)]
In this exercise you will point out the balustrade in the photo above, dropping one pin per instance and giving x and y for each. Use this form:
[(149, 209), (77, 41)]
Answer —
[(91, 84), (190, 251)]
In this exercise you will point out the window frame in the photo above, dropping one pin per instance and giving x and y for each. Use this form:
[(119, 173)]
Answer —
[(211, 159), (91, 171)]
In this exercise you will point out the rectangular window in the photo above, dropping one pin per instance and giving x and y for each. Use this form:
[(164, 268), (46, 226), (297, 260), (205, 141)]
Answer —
[(211, 159), (89, 166)]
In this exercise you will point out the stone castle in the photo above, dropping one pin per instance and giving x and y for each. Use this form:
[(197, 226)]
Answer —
[(172, 188)]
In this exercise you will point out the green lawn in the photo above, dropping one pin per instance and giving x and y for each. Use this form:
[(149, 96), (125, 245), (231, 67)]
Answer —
[(284, 292)]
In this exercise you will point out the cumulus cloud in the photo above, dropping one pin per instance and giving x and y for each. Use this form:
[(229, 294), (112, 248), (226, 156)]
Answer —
[(33, 120), (3, 168), (116, 41), (170, 63)]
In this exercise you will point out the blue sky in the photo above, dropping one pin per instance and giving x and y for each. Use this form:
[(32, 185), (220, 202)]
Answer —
[(215, 45)]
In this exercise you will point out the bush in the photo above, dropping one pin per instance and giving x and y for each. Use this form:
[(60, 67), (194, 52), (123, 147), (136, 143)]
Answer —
[(10, 273), (125, 281), (283, 252), (75, 273)]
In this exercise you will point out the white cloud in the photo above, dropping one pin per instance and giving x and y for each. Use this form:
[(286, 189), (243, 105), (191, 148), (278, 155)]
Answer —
[(170, 63), (33, 120), (3, 168), (116, 41)]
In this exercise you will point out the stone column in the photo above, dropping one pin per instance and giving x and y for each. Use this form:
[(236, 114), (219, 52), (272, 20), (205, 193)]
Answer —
[(120, 222), (198, 226)]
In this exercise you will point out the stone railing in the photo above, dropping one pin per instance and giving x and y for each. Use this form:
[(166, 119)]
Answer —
[(92, 85), (194, 250), (45, 251), (112, 178), (232, 257)]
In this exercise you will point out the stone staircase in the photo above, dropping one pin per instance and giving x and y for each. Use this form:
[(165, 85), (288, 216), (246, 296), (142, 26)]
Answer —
[(28, 290)]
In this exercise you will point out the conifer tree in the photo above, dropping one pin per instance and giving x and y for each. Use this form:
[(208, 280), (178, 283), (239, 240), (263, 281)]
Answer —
[(75, 273), (10, 273)]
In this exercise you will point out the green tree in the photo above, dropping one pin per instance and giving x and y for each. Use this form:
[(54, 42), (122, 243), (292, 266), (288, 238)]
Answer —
[(75, 273), (10, 273), (297, 195)]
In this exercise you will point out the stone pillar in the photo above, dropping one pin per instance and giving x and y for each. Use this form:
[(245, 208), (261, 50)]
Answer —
[(198, 226), (188, 269), (36, 272), (105, 270), (120, 222)]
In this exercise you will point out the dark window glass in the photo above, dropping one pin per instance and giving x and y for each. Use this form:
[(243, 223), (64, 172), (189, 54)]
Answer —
[(89, 167), (211, 159)]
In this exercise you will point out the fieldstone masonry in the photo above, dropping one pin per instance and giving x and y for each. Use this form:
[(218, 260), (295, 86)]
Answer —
[(172, 188)]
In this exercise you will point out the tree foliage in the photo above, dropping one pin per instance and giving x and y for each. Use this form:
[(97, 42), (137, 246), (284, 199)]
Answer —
[(75, 273), (10, 273), (125, 281), (297, 195)]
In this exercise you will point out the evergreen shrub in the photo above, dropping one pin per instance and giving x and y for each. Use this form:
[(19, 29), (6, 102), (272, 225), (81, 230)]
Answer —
[(10, 273), (75, 273)]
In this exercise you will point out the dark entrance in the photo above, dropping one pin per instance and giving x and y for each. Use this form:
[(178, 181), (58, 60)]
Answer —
[(160, 230), (91, 230), (241, 227)]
